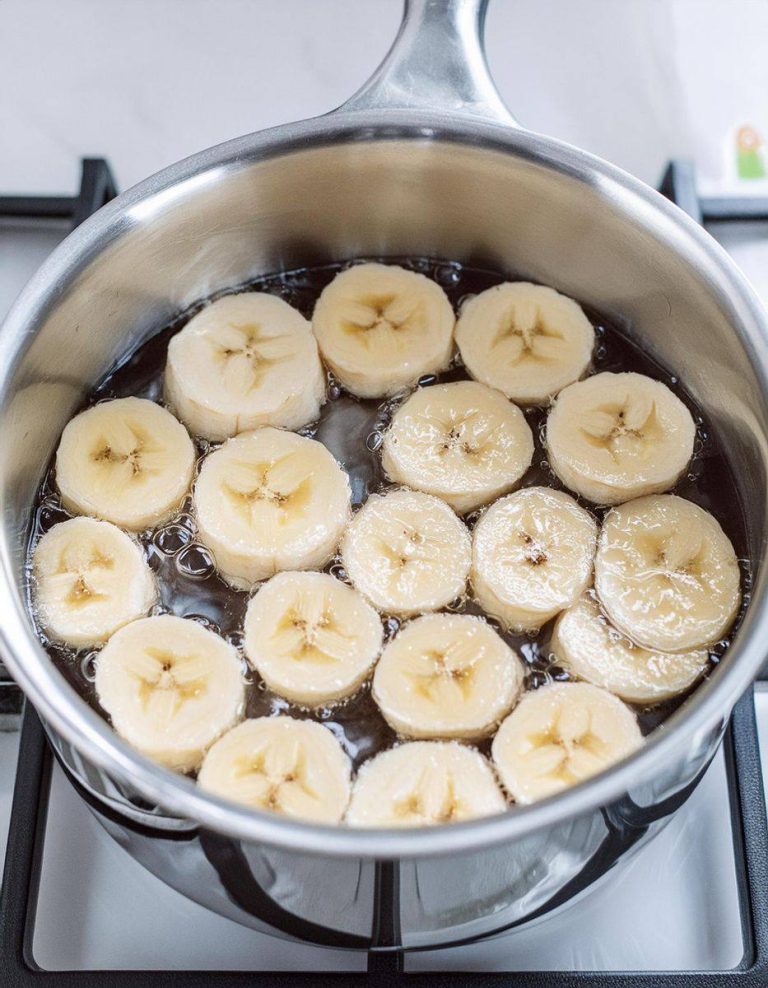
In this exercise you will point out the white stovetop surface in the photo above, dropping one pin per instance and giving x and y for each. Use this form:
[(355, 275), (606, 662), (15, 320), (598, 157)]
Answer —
[(144, 84)]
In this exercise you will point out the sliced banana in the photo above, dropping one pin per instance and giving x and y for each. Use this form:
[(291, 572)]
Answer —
[(89, 580), (615, 437), (560, 735), (245, 361), (463, 442), (423, 783), (293, 767), (526, 340), (380, 328), (407, 552), (311, 638), (270, 500), (447, 676), (171, 687), (584, 643), (532, 555), (128, 461), (666, 574)]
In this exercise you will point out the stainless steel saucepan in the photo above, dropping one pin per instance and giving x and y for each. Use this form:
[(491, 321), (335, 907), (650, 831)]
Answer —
[(424, 160)]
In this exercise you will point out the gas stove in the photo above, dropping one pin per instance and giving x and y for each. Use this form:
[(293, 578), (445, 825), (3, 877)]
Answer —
[(76, 910)]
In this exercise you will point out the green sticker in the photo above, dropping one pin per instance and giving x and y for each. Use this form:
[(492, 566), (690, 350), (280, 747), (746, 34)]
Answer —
[(750, 157)]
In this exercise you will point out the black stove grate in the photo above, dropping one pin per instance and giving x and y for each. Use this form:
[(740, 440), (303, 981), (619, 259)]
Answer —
[(21, 877)]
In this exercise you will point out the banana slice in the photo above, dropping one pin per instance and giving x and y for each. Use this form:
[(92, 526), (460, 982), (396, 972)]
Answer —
[(380, 328), (407, 552), (463, 442), (293, 767), (171, 687), (526, 340), (615, 437), (666, 574), (311, 638), (245, 361), (270, 500), (532, 555), (89, 580), (423, 783), (584, 643), (447, 676), (128, 461), (560, 735)]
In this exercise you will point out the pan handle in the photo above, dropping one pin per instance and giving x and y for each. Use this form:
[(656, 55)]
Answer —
[(437, 62)]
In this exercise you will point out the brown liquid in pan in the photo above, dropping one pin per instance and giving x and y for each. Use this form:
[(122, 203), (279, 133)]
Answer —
[(352, 429)]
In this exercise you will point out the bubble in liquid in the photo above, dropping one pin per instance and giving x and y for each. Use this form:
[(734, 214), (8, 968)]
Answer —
[(373, 441), (420, 264), (51, 513), (195, 561), (448, 275), (172, 539), (426, 380), (88, 666), (333, 388), (600, 353), (391, 627), (337, 570)]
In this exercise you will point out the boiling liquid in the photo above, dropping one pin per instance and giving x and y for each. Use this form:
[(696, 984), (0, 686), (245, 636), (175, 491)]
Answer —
[(352, 430)]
